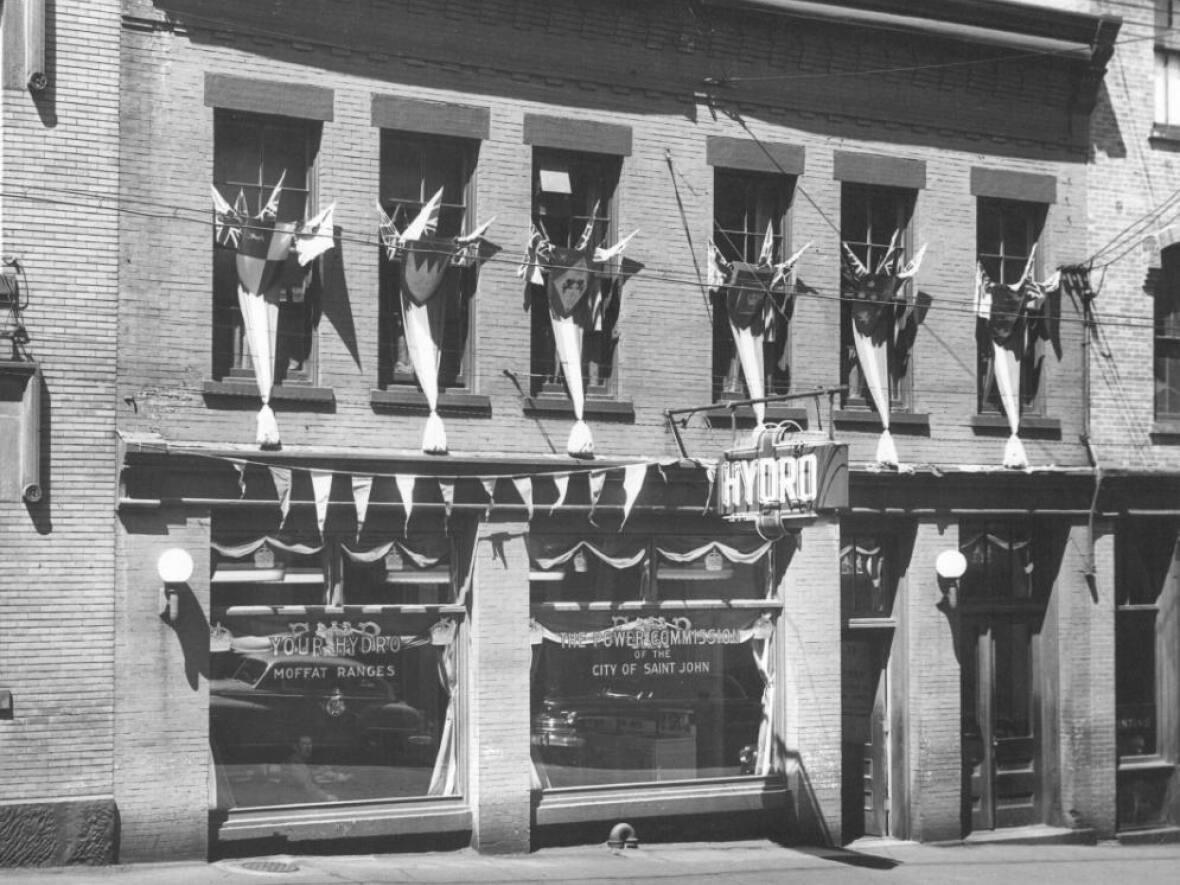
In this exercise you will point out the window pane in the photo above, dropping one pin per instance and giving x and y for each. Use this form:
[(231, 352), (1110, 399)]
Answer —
[(306, 710), (867, 582), (639, 711), (1173, 88), (1135, 682)]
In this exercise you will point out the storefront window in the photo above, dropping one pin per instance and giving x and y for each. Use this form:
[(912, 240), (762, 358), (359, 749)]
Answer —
[(333, 670), (647, 681)]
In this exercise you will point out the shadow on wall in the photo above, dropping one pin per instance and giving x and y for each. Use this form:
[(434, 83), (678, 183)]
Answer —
[(693, 66), (1105, 136), (804, 824)]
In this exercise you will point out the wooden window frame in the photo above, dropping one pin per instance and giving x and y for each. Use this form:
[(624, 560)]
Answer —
[(1005, 265), (545, 370), (457, 366), (1166, 338), (870, 249), (758, 188), (300, 306)]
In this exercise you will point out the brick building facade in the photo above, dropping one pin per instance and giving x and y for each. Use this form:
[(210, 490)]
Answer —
[(837, 684)]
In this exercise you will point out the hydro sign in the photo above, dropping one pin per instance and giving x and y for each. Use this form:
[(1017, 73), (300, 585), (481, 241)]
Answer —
[(773, 482)]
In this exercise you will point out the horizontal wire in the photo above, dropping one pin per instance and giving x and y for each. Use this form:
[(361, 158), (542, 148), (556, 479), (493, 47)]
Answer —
[(962, 307)]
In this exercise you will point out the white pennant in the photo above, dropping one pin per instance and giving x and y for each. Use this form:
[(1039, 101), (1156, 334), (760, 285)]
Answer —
[(633, 477), (282, 480), (524, 488), (489, 489), (240, 467), (597, 481), (405, 488), (446, 487), (321, 486), (563, 486), (362, 488)]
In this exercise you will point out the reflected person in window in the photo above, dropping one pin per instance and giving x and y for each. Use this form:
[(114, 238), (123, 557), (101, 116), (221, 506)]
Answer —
[(298, 770)]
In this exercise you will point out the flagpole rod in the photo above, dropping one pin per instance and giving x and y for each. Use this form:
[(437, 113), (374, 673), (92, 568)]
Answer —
[(669, 414)]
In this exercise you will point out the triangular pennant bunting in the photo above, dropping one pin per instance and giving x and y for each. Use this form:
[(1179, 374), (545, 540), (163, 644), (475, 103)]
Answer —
[(282, 481), (240, 467), (362, 488), (633, 477), (562, 481), (321, 486), (524, 488), (489, 489), (405, 488), (446, 488), (597, 481)]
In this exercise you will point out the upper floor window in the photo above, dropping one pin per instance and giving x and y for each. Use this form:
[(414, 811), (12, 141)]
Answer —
[(252, 153), (1167, 63), (872, 218), (745, 206), (413, 167), (573, 200), (1167, 338), (1006, 232)]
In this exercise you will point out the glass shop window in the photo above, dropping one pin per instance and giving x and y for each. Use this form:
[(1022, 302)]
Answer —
[(868, 580), (334, 669), (664, 678), (999, 562)]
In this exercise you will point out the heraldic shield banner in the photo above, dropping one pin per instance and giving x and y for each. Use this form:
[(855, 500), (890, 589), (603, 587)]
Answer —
[(570, 276)]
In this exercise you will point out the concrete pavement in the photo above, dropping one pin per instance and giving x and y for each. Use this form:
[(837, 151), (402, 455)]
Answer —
[(895, 863)]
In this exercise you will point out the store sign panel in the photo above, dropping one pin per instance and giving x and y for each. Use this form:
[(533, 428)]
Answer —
[(784, 480)]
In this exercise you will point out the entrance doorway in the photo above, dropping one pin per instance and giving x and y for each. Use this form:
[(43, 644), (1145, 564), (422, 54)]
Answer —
[(866, 788), (1001, 722)]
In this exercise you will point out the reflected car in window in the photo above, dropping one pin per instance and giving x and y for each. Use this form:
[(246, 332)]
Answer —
[(612, 727), (346, 706)]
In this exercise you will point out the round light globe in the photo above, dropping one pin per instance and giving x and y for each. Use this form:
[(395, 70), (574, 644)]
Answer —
[(175, 566), (950, 564)]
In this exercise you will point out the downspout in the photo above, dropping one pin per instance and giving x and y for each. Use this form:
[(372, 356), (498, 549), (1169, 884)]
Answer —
[(1091, 566)]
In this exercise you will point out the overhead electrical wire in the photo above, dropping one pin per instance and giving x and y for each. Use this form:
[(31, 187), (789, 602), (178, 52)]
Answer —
[(962, 307)]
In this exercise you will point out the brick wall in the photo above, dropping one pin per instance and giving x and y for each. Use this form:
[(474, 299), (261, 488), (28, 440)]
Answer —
[(809, 649), (498, 706), (60, 173), (665, 344)]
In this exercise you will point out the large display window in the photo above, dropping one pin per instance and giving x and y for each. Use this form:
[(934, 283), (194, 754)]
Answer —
[(652, 658), (334, 668)]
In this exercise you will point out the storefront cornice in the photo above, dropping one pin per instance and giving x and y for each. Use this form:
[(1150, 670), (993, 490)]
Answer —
[(145, 450), (1038, 29)]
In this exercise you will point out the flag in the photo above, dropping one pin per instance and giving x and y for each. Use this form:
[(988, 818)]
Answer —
[(524, 488), (633, 479), (405, 488), (316, 236), (362, 488), (426, 221), (321, 486), (282, 481)]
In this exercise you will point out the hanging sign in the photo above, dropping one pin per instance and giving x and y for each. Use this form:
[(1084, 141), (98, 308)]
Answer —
[(776, 480)]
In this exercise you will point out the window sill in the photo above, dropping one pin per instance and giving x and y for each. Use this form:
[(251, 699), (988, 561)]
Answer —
[(903, 422), (603, 409), (280, 393), (1166, 431), (1164, 133), (1032, 426), (411, 400), (1145, 763), (743, 416)]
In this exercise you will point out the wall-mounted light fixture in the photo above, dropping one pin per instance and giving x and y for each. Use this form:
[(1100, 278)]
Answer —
[(950, 566), (174, 566)]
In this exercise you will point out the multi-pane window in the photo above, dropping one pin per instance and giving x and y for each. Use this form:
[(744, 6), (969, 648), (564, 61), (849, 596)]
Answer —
[(650, 657), (870, 217), (1147, 717), (1167, 63), (1167, 338), (251, 153), (333, 661), (1006, 231), (868, 582), (745, 205), (413, 168), (999, 562), (571, 191)]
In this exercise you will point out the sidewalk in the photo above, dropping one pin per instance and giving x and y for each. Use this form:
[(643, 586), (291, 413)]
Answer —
[(736, 862)]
